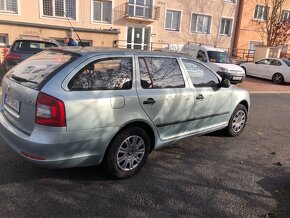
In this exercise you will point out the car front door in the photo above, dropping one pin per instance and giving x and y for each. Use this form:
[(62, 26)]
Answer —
[(166, 96), (212, 102)]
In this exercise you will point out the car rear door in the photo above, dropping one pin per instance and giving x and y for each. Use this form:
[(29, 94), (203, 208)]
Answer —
[(165, 95)]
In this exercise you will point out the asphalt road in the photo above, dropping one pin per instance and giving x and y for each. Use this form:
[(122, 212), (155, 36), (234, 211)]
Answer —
[(206, 176)]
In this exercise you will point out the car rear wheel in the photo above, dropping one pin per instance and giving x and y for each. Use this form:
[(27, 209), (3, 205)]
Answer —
[(238, 121), (277, 78), (127, 153)]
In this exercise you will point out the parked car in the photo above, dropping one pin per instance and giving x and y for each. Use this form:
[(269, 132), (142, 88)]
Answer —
[(78, 107), (216, 59), (275, 69), (22, 49)]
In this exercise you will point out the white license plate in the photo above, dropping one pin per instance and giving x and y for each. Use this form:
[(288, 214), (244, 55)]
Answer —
[(12, 102), (237, 78)]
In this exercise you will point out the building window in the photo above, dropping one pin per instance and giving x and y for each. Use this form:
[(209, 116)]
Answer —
[(102, 11), (140, 8), (230, 1), (285, 16), (172, 21), (3, 39), (60, 8), (9, 6), (261, 12), (226, 27), (200, 23), (252, 46)]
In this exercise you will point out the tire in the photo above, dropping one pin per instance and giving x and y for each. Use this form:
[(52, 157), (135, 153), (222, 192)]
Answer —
[(238, 121), (245, 70), (278, 78), (122, 161)]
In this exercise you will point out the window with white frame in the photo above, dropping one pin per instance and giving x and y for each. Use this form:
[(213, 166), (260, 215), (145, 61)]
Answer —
[(102, 11), (226, 26), (140, 8), (172, 21), (200, 23), (3, 39), (59, 8), (230, 1), (252, 46), (261, 12), (285, 16), (9, 6)]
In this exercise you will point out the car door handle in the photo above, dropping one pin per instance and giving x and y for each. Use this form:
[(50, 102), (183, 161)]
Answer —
[(150, 101), (200, 97)]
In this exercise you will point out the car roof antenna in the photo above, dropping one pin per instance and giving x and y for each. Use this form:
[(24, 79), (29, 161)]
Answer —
[(73, 29)]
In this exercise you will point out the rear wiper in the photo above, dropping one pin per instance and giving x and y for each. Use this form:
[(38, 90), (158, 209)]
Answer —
[(20, 79)]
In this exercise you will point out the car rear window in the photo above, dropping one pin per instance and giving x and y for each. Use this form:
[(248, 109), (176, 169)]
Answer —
[(287, 62), (26, 46), (34, 70)]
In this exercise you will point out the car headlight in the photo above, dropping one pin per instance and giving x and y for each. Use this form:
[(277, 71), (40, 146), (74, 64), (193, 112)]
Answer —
[(222, 69)]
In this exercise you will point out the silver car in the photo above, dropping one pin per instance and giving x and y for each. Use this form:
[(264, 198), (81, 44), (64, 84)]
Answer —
[(78, 107)]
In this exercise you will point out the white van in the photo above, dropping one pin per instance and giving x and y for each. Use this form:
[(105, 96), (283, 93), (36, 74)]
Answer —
[(216, 59)]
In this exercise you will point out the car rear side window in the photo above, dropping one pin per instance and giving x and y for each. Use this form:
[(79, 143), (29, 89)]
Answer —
[(104, 74), (34, 70), (160, 72)]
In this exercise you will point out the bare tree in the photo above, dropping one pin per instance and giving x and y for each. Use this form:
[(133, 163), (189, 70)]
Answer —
[(273, 31)]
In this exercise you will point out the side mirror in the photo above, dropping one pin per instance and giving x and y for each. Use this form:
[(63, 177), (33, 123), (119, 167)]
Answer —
[(224, 75), (225, 83)]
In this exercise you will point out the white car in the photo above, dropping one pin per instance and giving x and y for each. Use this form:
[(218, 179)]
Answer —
[(275, 69)]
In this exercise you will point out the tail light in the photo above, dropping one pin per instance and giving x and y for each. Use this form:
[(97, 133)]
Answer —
[(50, 111), (12, 57)]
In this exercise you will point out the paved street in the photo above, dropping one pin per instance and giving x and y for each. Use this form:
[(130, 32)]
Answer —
[(206, 176)]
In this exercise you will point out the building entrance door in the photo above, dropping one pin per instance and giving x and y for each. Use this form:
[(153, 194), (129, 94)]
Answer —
[(138, 37)]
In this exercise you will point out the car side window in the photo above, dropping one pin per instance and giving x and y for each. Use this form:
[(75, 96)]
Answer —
[(104, 74), (275, 63), (264, 61), (200, 75), (201, 55), (160, 72)]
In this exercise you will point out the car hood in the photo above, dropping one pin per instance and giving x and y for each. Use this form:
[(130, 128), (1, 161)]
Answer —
[(230, 66)]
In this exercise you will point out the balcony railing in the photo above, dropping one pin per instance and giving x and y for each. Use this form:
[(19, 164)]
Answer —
[(137, 12)]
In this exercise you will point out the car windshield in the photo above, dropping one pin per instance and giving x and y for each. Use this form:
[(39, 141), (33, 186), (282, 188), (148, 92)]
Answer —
[(35, 69), (218, 57), (287, 62)]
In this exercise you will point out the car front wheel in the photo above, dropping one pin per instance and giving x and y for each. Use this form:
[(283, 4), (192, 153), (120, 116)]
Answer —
[(127, 153), (238, 121)]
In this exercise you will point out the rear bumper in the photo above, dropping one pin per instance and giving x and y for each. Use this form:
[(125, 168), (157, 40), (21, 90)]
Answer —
[(57, 149)]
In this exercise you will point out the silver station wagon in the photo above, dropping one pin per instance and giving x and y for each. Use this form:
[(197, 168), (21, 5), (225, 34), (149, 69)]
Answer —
[(86, 106)]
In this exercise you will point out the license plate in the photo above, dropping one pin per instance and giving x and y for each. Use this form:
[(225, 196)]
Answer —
[(237, 78), (12, 102)]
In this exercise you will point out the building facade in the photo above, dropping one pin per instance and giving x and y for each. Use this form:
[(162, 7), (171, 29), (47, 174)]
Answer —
[(138, 24), (251, 22)]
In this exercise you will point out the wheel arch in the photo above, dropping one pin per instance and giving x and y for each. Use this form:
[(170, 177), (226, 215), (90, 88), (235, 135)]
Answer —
[(245, 103), (245, 69), (142, 125)]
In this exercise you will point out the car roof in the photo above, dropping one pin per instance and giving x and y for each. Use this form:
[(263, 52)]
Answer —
[(117, 51)]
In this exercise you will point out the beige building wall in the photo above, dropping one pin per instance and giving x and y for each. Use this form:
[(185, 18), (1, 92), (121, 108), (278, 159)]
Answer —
[(248, 29), (31, 22)]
